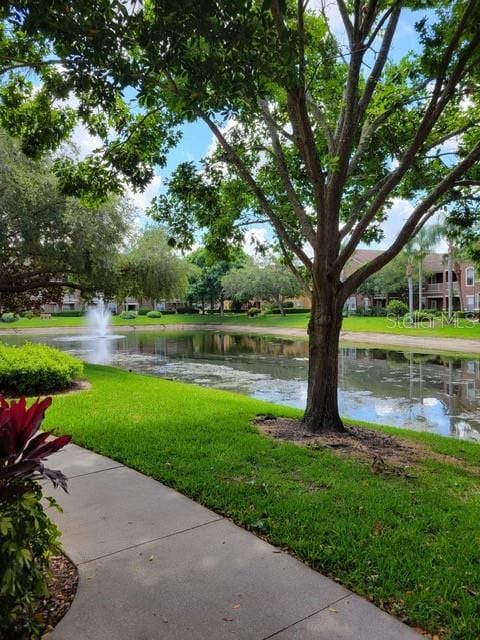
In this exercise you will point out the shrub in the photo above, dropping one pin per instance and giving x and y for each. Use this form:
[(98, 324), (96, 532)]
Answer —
[(253, 311), (154, 314), (420, 316), (397, 308), (128, 315), (28, 538), (8, 317), (190, 310), (288, 304), (35, 369), (28, 314), (143, 311)]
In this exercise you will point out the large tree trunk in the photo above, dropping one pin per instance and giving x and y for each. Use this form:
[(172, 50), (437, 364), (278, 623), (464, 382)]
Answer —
[(321, 413)]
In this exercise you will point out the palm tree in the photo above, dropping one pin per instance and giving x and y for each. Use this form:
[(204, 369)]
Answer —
[(422, 244), (410, 254)]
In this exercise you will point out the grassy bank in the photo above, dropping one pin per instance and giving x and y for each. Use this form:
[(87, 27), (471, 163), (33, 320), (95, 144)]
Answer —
[(409, 543), (465, 329)]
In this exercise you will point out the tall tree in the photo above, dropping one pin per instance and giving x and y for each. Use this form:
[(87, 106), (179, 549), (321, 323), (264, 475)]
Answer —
[(425, 240), (321, 136), (205, 283), (150, 270), (273, 282), (49, 241)]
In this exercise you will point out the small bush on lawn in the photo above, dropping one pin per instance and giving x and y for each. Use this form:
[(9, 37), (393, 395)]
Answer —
[(397, 308), (128, 315), (8, 317), (35, 369), (252, 312), (143, 311), (421, 316), (28, 314), (28, 538), (154, 314)]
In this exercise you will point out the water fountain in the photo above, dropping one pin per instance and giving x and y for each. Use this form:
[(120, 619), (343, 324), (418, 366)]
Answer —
[(98, 320)]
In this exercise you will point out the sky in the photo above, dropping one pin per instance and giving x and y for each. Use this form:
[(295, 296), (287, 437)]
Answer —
[(197, 139)]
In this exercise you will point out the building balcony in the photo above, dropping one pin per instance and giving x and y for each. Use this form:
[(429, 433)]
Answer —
[(440, 288)]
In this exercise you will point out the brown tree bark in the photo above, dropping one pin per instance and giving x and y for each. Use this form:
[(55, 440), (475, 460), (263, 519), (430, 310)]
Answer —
[(321, 413)]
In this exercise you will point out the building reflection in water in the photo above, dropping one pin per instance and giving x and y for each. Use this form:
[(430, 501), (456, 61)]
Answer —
[(426, 392)]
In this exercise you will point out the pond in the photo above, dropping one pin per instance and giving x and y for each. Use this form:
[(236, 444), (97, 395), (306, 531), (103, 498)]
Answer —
[(431, 393)]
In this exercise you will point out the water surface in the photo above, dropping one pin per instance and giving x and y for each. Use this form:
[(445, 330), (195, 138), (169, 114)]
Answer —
[(424, 392)]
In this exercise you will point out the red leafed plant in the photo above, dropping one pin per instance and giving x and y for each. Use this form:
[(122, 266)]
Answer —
[(22, 448)]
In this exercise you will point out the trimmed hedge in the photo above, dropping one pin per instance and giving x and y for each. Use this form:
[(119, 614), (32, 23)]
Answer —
[(67, 314), (36, 369), (289, 311), (154, 314)]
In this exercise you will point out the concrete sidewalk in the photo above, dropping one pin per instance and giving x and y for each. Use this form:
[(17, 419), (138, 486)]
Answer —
[(155, 565)]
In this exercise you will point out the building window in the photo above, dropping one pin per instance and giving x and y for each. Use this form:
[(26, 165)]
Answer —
[(352, 303), (470, 276), (366, 303), (470, 303)]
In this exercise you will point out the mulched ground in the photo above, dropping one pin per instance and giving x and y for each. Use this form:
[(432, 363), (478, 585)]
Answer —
[(385, 453), (62, 587)]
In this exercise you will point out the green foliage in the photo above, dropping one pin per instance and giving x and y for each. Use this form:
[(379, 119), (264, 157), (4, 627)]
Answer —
[(272, 283), (143, 311), (28, 314), (420, 316), (150, 269), (68, 314), (48, 240), (36, 369), (154, 314), (397, 308), (28, 539), (8, 317), (253, 312), (128, 315)]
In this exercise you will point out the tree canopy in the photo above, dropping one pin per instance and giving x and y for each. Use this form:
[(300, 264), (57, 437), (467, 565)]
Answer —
[(150, 270), (49, 241), (271, 282)]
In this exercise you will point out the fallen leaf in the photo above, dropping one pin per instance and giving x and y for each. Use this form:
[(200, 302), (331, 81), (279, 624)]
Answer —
[(164, 620), (151, 558), (236, 606), (227, 619), (332, 609)]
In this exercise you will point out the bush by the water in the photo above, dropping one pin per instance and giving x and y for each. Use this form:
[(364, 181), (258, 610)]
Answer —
[(154, 314), (36, 369), (397, 308), (128, 315), (8, 317)]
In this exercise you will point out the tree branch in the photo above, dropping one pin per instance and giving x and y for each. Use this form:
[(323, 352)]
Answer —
[(426, 208), (281, 163)]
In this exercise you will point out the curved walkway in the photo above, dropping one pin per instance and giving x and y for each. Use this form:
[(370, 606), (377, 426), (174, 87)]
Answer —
[(154, 564)]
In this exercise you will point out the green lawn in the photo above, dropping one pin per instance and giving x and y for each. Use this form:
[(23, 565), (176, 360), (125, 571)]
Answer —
[(466, 329), (408, 543)]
